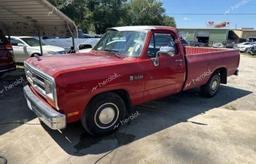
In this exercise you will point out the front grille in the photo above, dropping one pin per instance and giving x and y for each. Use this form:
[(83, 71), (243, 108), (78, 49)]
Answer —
[(35, 79), (40, 81)]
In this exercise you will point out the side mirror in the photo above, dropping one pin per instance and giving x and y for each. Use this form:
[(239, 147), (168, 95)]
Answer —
[(164, 51), (84, 46)]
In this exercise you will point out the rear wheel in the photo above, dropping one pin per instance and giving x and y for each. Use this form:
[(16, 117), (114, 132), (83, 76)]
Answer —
[(211, 88), (103, 114)]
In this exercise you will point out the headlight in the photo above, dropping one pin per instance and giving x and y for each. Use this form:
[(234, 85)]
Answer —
[(49, 90)]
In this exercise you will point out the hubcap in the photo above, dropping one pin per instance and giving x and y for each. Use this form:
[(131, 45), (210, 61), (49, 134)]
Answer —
[(106, 115), (214, 85)]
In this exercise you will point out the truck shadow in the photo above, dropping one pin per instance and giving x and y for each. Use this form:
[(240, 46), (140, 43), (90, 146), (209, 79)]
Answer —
[(13, 109), (153, 117)]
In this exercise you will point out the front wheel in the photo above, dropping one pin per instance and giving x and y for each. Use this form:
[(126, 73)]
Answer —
[(211, 88), (103, 114)]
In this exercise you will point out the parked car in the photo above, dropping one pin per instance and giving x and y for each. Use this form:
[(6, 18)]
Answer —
[(6, 55), (129, 66), (81, 34), (66, 43), (230, 44), (84, 48), (245, 46), (252, 50), (197, 44), (251, 39), (26, 46), (218, 45)]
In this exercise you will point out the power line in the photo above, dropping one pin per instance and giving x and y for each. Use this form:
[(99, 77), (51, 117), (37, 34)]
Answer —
[(244, 14)]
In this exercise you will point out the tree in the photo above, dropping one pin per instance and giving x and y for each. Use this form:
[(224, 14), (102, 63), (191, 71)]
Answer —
[(169, 21), (147, 12), (105, 14), (98, 15)]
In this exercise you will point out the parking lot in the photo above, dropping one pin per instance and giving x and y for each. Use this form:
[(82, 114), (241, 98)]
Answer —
[(183, 128)]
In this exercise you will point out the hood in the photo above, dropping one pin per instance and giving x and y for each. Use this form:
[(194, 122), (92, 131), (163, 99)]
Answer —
[(57, 64)]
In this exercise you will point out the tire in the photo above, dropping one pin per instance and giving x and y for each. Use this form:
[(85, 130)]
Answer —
[(247, 50), (103, 114), (211, 88)]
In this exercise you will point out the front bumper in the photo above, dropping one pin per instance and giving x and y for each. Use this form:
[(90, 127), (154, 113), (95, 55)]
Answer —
[(46, 113)]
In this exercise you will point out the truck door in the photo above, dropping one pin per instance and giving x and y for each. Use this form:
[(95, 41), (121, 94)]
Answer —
[(169, 76)]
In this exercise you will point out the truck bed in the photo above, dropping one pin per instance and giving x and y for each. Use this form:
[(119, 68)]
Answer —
[(204, 50), (202, 62)]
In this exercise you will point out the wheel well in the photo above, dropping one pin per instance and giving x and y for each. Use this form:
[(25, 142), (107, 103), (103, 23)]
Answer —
[(223, 74), (122, 93), (33, 55)]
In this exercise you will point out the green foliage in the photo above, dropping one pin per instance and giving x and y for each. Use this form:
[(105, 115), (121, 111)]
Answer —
[(98, 15)]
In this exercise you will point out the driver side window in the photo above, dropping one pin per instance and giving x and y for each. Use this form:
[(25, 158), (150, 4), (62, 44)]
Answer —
[(159, 40)]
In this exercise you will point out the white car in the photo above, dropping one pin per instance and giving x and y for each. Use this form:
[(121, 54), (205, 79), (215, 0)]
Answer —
[(218, 45), (67, 42), (84, 50), (27, 46), (244, 47)]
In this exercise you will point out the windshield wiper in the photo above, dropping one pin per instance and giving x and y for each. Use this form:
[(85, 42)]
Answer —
[(115, 52)]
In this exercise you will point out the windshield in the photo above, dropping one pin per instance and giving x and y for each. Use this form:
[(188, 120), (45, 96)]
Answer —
[(33, 42), (125, 43)]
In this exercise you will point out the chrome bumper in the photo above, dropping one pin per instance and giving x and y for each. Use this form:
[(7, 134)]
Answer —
[(46, 113)]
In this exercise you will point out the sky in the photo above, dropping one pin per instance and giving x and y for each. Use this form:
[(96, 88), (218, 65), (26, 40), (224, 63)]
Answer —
[(225, 7)]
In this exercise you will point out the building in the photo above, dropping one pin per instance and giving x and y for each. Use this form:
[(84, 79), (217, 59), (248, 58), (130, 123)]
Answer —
[(245, 33), (208, 36), (205, 35)]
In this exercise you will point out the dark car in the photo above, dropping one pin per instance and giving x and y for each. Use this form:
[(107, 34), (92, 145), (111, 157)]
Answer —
[(197, 44), (252, 50), (230, 44), (6, 54)]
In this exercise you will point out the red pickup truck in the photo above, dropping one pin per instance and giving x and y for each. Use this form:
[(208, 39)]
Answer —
[(127, 67)]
